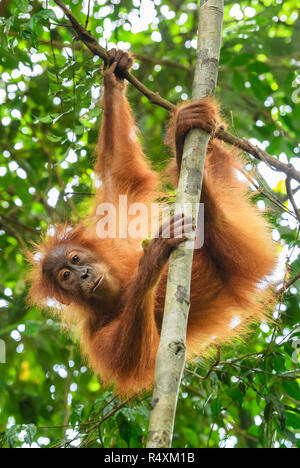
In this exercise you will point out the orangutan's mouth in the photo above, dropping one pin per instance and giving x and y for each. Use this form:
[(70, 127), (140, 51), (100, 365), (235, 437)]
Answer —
[(97, 284)]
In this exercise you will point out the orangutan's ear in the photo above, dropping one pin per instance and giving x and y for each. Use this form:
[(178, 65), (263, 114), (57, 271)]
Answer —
[(65, 302), (63, 298)]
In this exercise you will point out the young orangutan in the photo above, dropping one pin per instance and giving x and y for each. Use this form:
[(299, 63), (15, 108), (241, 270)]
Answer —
[(113, 290)]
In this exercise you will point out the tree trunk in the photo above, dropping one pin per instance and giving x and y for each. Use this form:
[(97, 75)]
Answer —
[(171, 354)]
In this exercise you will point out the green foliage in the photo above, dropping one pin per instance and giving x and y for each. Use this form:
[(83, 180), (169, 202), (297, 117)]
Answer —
[(49, 119)]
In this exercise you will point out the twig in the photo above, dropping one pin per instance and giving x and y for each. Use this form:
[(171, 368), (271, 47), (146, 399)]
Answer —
[(291, 197), (296, 190), (14, 233), (210, 370), (86, 37), (109, 414), (58, 175), (88, 15), (15, 222), (87, 194), (262, 155), (287, 285)]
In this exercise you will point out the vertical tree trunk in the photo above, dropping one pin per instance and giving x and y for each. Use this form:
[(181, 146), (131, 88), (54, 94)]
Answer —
[(171, 354)]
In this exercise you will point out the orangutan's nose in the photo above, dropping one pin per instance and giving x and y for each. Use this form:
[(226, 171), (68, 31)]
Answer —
[(85, 273)]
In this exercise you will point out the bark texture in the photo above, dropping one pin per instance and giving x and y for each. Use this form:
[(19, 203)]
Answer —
[(171, 354)]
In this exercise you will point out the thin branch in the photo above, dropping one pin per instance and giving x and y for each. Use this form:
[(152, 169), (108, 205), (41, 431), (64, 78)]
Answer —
[(293, 192), (15, 222), (37, 196), (86, 194), (287, 285), (291, 197), (88, 15), (10, 229), (274, 61), (265, 191), (86, 37), (109, 414), (262, 155), (58, 175), (210, 370)]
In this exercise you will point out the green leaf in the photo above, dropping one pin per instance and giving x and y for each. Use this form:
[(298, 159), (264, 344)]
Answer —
[(30, 432), (236, 395), (46, 119), (22, 6), (293, 420), (292, 389), (94, 112), (79, 130), (32, 328), (191, 436), (46, 14), (268, 412), (54, 138), (124, 428), (258, 67)]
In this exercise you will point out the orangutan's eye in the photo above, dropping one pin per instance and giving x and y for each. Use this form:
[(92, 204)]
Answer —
[(65, 275), (75, 259)]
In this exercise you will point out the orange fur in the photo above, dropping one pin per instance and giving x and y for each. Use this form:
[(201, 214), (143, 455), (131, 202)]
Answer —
[(121, 338)]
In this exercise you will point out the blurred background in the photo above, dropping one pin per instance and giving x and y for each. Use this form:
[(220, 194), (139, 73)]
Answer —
[(50, 86)]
